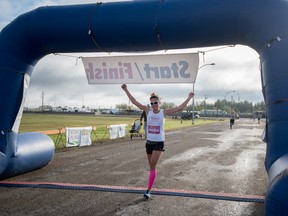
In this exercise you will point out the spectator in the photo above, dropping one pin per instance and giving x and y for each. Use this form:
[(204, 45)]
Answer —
[(144, 117)]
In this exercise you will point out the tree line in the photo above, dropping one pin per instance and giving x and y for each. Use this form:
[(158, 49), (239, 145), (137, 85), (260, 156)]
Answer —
[(224, 105)]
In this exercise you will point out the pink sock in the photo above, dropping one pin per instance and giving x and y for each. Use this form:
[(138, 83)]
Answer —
[(152, 177)]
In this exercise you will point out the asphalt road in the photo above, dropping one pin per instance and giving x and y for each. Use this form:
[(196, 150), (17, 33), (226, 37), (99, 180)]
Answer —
[(208, 158)]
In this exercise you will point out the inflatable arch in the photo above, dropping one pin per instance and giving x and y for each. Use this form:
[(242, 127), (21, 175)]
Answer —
[(146, 25)]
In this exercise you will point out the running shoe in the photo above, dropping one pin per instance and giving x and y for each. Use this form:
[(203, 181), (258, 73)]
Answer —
[(147, 194)]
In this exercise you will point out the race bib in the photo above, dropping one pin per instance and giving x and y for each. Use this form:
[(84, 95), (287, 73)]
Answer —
[(153, 129)]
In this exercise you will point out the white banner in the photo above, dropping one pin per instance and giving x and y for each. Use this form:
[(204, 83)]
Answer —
[(78, 136), (17, 121), (166, 68), (117, 131)]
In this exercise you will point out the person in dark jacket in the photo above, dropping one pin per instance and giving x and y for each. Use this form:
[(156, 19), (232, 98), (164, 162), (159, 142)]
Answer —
[(144, 118)]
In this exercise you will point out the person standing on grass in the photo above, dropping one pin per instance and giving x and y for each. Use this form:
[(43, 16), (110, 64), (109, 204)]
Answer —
[(155, 130), (144, 118)]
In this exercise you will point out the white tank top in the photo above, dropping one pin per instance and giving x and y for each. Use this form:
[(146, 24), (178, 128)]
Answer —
[(155, 126)]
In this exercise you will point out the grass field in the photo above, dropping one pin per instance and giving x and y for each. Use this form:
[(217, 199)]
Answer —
[(33, 122)]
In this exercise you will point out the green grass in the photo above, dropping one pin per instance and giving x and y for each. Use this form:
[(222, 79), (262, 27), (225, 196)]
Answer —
[(32, 122)]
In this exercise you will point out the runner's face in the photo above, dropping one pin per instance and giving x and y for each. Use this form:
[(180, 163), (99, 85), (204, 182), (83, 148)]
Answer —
[(154, 103)]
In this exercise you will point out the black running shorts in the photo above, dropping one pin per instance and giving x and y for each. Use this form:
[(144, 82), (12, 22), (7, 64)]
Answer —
[(154, 146)]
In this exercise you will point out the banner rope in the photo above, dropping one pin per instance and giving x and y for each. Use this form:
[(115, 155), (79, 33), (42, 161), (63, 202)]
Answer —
[(127, 189)]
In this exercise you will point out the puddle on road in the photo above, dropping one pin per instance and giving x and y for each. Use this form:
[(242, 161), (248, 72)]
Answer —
[(225, 140)]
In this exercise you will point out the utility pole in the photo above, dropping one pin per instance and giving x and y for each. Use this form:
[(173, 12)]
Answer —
[(42, 98), (231, 104), (193, 99), (225, 101), (205, 97)]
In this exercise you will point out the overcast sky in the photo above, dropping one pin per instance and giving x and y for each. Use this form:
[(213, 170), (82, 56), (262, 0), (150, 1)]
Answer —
[(236, 69)]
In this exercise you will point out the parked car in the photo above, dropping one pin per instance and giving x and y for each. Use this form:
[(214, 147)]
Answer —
[(188, 115)]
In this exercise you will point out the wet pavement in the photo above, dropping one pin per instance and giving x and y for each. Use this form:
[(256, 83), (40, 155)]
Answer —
[(207, 158)]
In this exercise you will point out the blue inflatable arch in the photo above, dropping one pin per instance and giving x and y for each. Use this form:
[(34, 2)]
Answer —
[(146, 25)]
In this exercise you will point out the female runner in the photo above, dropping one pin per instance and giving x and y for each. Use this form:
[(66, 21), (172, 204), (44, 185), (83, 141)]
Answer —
[(155, 130)]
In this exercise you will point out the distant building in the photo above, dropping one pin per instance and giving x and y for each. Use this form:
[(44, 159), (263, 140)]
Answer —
[(46, 108), (212, 113), (257, 114)]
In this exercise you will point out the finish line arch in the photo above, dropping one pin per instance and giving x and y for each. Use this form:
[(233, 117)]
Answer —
[(145, 26)]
